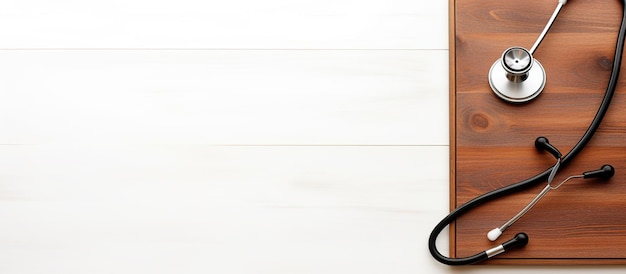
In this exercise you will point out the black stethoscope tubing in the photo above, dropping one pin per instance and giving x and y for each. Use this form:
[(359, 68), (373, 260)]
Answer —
[(580, 145)]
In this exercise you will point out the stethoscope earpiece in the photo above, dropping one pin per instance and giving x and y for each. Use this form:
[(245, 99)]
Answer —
[(605, 172), (520, 240), (542, 143)]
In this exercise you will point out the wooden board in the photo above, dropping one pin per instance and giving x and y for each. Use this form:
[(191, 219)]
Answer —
[(584, 222)]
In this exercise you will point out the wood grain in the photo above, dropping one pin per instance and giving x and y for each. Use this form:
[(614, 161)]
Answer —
[(582, 222), (452, 118)]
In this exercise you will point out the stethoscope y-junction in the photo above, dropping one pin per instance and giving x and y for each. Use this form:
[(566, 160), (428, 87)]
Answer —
[(517, 78)]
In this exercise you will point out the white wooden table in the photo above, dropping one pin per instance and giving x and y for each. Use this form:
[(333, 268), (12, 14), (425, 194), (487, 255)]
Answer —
[(238, 136)]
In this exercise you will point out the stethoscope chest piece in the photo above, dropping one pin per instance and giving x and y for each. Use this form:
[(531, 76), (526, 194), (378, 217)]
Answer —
[(517, 77)]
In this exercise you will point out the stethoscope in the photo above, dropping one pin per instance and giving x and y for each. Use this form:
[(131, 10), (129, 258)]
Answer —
[(517, 78)]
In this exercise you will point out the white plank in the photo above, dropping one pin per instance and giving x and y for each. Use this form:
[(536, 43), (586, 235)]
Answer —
[(203, 209), (271, 24), (339, 97)]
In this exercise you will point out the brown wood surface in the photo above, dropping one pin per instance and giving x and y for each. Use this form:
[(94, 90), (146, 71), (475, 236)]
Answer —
[(583, 222)]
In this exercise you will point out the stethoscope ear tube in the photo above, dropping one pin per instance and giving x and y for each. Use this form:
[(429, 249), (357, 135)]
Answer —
[(522, 240)]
